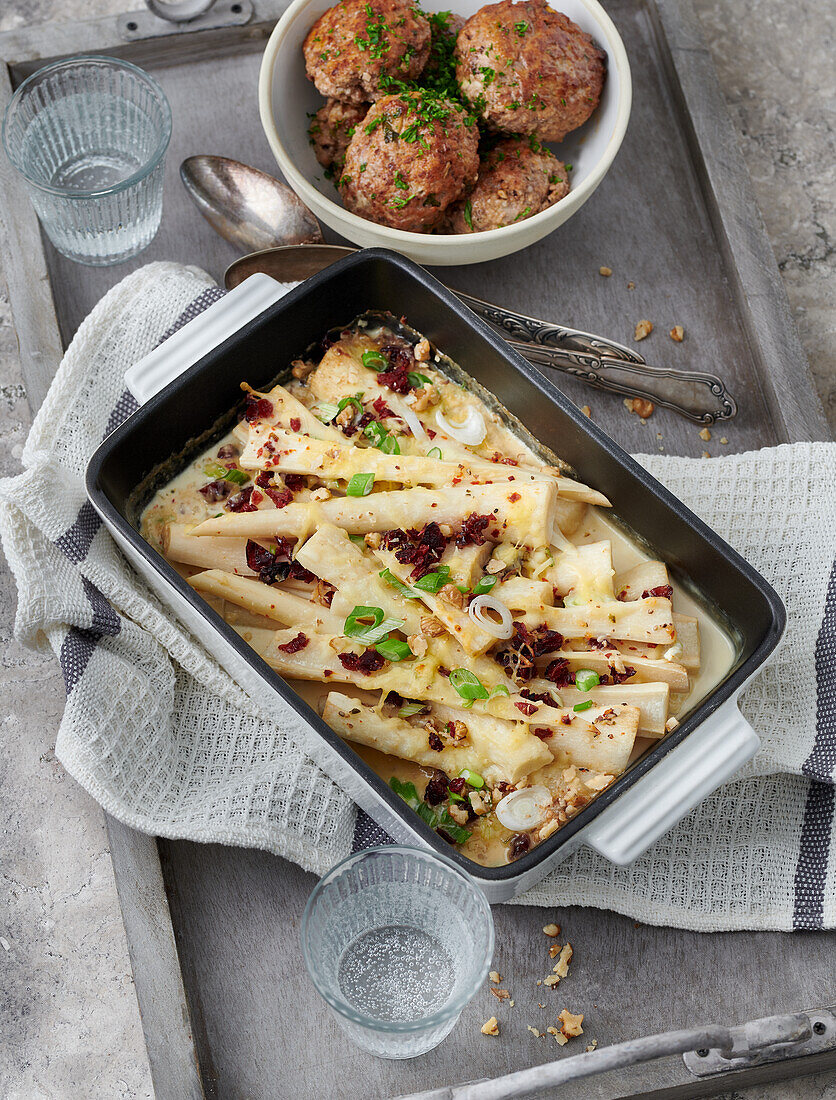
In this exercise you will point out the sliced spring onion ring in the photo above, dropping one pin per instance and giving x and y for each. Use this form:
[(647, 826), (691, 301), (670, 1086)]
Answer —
[(435, 452), (471, 431), (359, 485), (357, 626), (477, 610), (524, 809), (412, 422)]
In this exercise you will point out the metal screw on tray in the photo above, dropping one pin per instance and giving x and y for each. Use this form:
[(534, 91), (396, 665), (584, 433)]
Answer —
[(89, 136), (397, 941)]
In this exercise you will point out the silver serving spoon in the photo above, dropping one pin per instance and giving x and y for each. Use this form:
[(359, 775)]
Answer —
[(247, 207), (257, 212)]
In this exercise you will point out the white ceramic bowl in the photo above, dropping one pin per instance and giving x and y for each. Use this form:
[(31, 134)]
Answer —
[(286, 97)]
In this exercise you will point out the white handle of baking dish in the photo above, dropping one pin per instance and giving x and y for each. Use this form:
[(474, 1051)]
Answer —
[(200, 335), (707, 758)]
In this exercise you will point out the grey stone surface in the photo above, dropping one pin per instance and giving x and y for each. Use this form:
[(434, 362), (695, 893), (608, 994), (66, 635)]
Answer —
[(69, 1025)]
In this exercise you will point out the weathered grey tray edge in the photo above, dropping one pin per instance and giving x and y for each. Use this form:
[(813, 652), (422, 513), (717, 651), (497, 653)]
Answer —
[(787, 385)]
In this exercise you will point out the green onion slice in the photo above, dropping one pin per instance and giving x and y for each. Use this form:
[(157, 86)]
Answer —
[(467, 685), (344, 402), (398, 585), (389, 445), (408, 709), (325, 411), (484, 585), (473, 779), (435, 452), (585, 705), (418, 380), (360, 485), (374, 360), (500, 689), (586, 679), (358, 540), (406, 791), (392, 648), (435, 581), (372, 632), (237, 477)]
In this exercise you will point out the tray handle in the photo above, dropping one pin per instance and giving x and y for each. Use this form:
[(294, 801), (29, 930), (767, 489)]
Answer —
[(200, 335), (707, 758)]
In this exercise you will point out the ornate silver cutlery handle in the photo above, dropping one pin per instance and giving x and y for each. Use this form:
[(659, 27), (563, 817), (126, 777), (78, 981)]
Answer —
[(518, 326), (697, 395)]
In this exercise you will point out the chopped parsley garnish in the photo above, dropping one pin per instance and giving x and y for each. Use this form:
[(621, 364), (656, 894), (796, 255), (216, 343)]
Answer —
[(521, 28), (468, 214), (400, 182)]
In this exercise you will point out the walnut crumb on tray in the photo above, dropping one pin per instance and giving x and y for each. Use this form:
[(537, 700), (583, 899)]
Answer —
[(490, 1027)]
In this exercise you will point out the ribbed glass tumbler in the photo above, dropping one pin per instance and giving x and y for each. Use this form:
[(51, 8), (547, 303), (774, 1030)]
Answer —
[(397, 941), (89, 136)]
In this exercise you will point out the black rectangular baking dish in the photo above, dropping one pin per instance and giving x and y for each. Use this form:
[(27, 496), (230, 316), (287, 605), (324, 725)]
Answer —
[(628, 816)]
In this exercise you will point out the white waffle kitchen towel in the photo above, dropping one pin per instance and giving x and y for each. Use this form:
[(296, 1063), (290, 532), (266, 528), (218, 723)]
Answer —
[(162, 737)]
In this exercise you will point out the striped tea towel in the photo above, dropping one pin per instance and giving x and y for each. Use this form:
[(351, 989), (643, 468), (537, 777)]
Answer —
[(162, 737)]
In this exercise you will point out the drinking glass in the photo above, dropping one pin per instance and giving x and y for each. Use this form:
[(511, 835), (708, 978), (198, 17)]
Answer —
[(89, 136), (397, 941)]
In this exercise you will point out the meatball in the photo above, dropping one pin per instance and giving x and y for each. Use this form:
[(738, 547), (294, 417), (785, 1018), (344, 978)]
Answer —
[(528, 69), (517, 178), (331, 131), (356, 47), (414, 154)]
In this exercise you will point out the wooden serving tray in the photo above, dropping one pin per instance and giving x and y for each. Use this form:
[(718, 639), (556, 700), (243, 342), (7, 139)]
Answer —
[(227, 1008)]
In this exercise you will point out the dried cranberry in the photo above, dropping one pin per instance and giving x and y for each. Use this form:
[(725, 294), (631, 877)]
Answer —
[(546, 641), (367, 662), (365, 420), (472, 531), (216, 490), (519, 845), (396, 380), (663, 590), (266, 562), (617, 677), (326, 342), (280, 497), (264, 480), (543, 732), (526, 708), (381, 408), (229, 450), (596, 643), (295, 644), (436, 790), (457, 785), (258, 408), (421, 549), (435, 742), (300, 573), (560, 674), (241, 501), (294, 482), (295, 423)]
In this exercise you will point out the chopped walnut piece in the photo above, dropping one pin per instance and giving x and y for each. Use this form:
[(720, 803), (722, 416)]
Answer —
[(490, 1027), (425, 397), (321, 494), (705, 454), (534, 1031), (723, 441), (551, 930), (301, 369), (451, 595), (705, 435), (481, 803), (605, 271), (561, 967), (322, 593), (431, 626), (551, 980), (346, 417), (495, 565), (640, 406), (678, 334), (458, 814), (591, 1046), (421, 351), (599, 782), (571, 1023), (418, 644), (501, 994), (631, 286), (495, 977), (643, 330), (373, 540), (554, 949), (585, 409), (671, 723), (548, 829), (558, 1036)]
